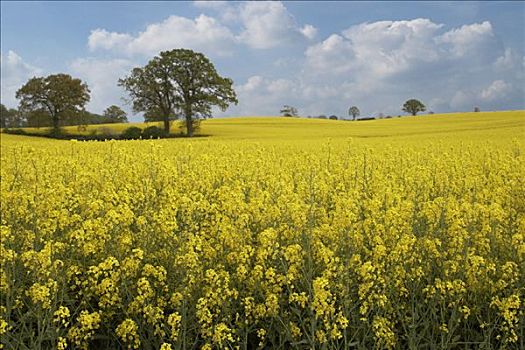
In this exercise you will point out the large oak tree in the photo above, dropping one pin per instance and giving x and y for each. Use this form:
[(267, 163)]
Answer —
[(59, 94), (179, 82)]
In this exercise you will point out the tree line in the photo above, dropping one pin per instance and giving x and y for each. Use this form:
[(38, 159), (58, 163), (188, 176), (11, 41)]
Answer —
[(38, 118), (411, 106), (175, 85)]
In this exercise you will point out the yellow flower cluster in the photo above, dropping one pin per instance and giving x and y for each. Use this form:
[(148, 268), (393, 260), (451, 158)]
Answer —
[(84, 330), (127, 332), (413, 241)]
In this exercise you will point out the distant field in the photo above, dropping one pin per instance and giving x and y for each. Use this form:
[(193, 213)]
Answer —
[(271, 233), (437, 126)]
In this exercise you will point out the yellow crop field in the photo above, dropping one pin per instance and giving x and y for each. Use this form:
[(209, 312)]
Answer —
[(281, 233)]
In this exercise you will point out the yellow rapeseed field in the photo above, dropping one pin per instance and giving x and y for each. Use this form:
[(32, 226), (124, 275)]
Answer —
[(406, 233)]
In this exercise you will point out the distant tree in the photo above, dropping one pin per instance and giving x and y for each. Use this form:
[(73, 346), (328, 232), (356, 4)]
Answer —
[(333, 117), (413, 106), (476, 109), (4, 116), (59, 94), (289, 111), (10, 118), (38, 118), (380, 115), (430, 112), (179, 80), (322, 116), (87, 117), (354, 112), (115, 114)]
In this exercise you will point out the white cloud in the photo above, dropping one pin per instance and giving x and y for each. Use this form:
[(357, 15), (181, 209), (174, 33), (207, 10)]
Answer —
[(253, 83), (469, 37), (263, 96), (333, 55), (379, 65), (510, 61), (268, 24), (376, 65), (102, 76), (263, 25), (499, 89), (309, 31), (281, 86), (416, 58), (376, 49), (102, 39), (15, 73), (497, 93), (203, 33)]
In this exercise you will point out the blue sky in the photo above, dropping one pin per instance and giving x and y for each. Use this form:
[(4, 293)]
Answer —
[(320, 57)]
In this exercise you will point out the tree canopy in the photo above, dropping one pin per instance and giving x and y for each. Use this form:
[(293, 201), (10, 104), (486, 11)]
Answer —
[(176, 82), (413, 106), (59, 94), (115, 114), (354, 112), (155, 115), (289, 111)]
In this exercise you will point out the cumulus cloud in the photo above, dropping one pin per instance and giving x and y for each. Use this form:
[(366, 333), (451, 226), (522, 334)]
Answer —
[(499, 89), (487, 96), (102, 76), (203, 33), (462, 41), (263, 25), (15, 73), (102, 39), (379, 65), (510, 61), (414, 58), (309, 31), (375, 65), (251, 84), (384, 48), (334, 55), (264, 96), (268, 24)]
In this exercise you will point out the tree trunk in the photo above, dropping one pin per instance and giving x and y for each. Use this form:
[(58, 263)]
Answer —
[(166, 123), (189, 126), (189, 121), (55, 122)]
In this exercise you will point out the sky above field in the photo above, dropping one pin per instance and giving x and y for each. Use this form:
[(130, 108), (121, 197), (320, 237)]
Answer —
[(319, 57)]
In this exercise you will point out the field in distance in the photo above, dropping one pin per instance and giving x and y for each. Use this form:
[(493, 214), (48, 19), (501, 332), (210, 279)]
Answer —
[(438, 126)]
